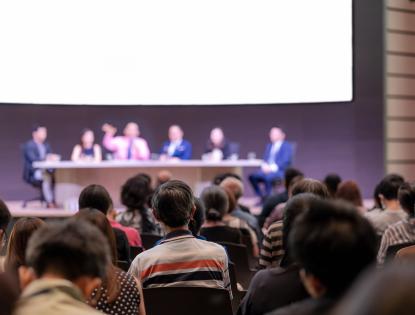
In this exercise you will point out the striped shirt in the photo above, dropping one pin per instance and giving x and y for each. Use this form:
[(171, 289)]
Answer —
[(398, 233), (272, 251), (181, 260)]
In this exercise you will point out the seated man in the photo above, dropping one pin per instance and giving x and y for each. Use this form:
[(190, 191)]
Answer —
[(127, 147), (181, 259), (333, 244), (278, 156), (35, 150), (65, 263), (176, 148)]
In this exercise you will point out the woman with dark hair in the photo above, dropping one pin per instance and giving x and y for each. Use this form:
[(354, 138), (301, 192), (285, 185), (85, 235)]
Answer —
[(19, 237), (134, 195), (216, 205), (217, 147), (87, 149), (349, 191), (119, 293)]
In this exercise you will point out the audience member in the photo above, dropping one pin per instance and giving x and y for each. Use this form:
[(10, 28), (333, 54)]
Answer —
[(391, 211), (65, 263), (127, 147), (134, 195), (333, 244), (217, 147), (236, 187), (215, 201), (176, 148), (180, 259), (198, 219), (38, 149), (285, 280), (87, 149), (332, 182), (404, 230), (9, 293), (349, 191), (275, 199), (163, 177), (118, 293), (272, 251), (97, 197), (388, 292), (277, 158)]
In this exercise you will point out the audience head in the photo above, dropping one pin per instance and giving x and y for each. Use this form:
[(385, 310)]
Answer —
[(332, 182), (73, 250), (388, 190), (216, 202), (163, 177), (220, 177), (87, 138), (131, 130), (235, 186), (217, 137), (9, 293), (406, 197), (19, 238), (290, 174), (333, 244), (175, 133), (349, 191), (276, 134), (173, 204), (198, 218), (5, 218), (386, 292), (309, 185), (39, 133), (135, 193), (96, 197)]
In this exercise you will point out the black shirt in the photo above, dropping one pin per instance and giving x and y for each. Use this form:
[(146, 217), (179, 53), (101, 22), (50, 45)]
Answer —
[(269, 204)]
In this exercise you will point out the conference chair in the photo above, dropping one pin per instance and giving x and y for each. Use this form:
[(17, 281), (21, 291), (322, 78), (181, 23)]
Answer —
[(247, 241), (187, 301), (392, 250), (123, 265), (149, 240), (134, 251), (406, 254), (238, 254)]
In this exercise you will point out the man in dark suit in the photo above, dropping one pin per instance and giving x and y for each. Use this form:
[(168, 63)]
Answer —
[(277, 158), (34, 150), (176, 148)]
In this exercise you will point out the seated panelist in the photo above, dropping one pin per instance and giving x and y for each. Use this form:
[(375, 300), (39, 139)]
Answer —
[(87, 149), (127, 147), (176, 148), (217, 147), (277, 158)]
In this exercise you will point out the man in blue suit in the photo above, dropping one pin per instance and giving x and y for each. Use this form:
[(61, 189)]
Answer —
[(176, 148), (277, 158)]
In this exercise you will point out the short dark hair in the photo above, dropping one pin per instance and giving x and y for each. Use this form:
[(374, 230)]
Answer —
[(406, 196), (173, 202), (216, 202), (333, 242), (135, 192), (198, 218), (290, 174), (309, 185), (389, 188), (5, 216), (96, 197), (36, 127), (71, 249), (332, 181)]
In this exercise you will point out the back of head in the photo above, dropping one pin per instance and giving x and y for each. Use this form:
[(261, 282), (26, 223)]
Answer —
[(198, 217), (309, 185), (290, 174), (388, 188), (332, 181), (96, 197), (69, 249), (19, 238), (349, 191), (234, 185), (386, 292), (220, 177), (5, 216), (215, 200), (135, 192), (334, 243), (406, 196), (99, 220), (172, 203)]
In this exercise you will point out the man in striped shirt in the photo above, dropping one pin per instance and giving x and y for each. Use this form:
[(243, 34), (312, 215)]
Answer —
[(180, 259)]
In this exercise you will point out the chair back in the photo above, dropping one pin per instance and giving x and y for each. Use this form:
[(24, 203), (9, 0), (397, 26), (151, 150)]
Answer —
[(134, 251), (149, 240), (406, 254), (123, 265), (392, 250), (187, 301)]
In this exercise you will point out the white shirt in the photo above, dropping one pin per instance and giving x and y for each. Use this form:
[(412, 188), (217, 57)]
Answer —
[(276, 146), (172, 147)]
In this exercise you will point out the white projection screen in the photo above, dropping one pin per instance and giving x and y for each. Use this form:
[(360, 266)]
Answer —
[(175, 52)]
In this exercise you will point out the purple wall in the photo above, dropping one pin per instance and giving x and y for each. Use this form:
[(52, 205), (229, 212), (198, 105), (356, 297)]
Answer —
[(343, 137)]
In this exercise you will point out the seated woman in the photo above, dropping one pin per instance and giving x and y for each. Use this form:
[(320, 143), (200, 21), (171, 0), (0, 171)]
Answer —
[(214, 229), (217, 147), (87, 149), (118, 287), (349, 191)]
